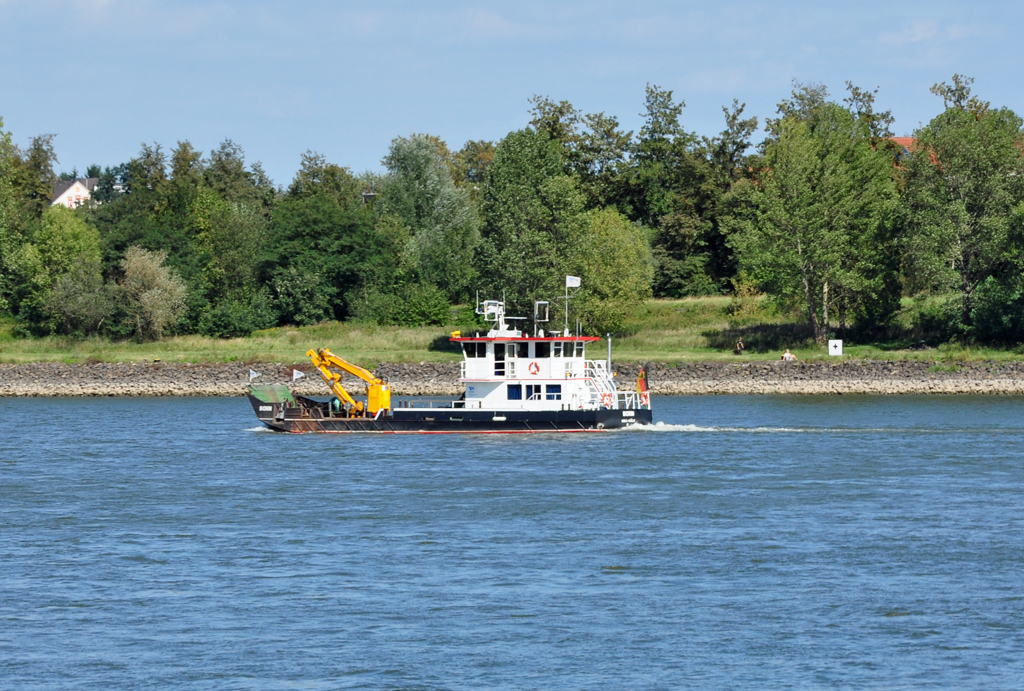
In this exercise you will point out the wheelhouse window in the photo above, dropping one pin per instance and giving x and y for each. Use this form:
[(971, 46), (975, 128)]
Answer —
[(554, 392), (475, 349), (515, 392), (542, 350), (563, 349), (579, 349)]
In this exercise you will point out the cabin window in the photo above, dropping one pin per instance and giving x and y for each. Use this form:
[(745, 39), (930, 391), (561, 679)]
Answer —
[(542, 350), (533, 392), (475, 349), (563, 349), (511, 350), (554, 392), (579, 349), (515, 392)]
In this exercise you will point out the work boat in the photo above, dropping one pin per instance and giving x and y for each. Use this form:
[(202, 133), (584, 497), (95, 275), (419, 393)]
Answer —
[(514, 383)]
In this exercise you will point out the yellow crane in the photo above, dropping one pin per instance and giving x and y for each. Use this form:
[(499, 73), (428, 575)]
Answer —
[(378, 393)]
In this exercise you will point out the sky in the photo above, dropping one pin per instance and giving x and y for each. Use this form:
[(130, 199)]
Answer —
[(345, 78)]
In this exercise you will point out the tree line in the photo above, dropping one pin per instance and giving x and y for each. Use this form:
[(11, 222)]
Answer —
[(828, 216)]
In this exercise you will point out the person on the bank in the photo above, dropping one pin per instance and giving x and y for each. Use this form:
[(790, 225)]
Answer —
[(739, 347), (788, 356)]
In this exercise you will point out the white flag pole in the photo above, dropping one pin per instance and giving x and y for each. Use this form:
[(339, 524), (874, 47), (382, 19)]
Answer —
[(570, 282)]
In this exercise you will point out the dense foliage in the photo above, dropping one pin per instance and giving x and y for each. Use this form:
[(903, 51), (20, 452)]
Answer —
[(827, 215)]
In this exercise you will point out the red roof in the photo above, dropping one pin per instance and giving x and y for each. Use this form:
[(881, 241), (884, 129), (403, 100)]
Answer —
[(467, 339), (905, 142)]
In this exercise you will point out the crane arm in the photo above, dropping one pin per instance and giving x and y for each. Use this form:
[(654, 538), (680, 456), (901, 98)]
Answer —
[(321, 360), (355, 370)]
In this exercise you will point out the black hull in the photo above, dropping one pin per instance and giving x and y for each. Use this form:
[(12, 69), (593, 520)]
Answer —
[(304, 419)]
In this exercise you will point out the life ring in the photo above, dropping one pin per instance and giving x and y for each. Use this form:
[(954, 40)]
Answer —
[(645, 398), (606, 400), (534, 368)]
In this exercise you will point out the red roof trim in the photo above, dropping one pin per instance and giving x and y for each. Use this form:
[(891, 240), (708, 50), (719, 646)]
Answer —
[(469, 339)]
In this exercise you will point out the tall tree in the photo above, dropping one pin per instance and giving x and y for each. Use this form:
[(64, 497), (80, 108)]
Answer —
[(594, 149), (442, 217), (613, 259), (538, 230), (818, 210), (61, 244), (317, 176), (469, 164), (7, 211), (528, 203), (32, 178), (964, 190), (317, 253)]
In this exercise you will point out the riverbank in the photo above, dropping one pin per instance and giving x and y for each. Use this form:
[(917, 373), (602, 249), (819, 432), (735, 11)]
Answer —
[(441, 378), (665, 331)]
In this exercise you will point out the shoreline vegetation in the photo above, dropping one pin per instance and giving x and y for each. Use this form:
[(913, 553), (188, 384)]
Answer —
[(687, 342), (830, 227), (666, 331)]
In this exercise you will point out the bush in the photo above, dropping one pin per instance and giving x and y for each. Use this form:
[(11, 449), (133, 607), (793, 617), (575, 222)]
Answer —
[(154, 296), (229, 319), (79, 303), (998, 314), (418, 304), (234, 319), (303, 298)]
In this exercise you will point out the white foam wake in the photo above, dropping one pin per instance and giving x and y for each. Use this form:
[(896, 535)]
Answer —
[(665, 427), (261, 428)]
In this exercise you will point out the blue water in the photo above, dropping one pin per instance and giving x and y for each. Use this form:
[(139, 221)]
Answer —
[(749, 542)]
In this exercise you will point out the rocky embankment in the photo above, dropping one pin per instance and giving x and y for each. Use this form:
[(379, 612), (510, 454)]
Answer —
[(441, 379)]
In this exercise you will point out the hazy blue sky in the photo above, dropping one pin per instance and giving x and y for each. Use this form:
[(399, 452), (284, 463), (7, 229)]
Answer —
[(344, 78)]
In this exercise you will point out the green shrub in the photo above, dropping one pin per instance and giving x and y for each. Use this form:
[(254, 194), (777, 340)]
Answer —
[(233, 318), (418, 304), (303, 298), (229, 319)]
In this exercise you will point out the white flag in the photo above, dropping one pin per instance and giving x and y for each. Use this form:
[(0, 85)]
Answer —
[(296, 374), (572, 281), (253, 375)]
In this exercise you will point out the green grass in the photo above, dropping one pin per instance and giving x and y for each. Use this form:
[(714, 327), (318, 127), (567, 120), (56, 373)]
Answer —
[(692, 329), (365, 344)]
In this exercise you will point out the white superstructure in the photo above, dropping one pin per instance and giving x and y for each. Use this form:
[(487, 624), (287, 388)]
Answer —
[(509, 371)]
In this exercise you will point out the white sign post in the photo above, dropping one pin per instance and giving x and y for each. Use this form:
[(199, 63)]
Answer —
[(835, 347)]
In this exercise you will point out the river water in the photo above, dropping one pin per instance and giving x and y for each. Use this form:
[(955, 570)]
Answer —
[(747, 542)]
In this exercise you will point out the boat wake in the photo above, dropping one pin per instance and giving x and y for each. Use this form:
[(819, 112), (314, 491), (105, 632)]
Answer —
[(666, 427), (261, 428)]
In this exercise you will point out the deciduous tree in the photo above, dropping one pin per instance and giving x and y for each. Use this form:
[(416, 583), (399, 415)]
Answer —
[(818, 209), (964, 190)]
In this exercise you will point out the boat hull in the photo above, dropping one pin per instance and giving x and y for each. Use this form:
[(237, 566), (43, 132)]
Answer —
[(303, 419)]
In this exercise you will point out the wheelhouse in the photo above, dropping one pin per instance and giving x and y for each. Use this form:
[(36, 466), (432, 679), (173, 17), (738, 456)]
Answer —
[(508, 370)]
